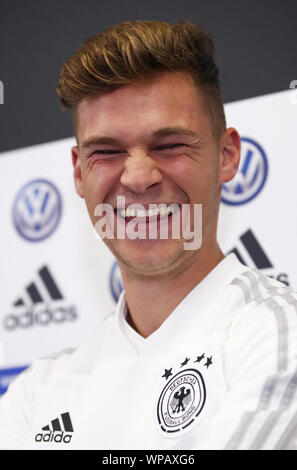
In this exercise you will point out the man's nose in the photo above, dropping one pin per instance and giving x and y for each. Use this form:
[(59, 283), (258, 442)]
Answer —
[(140, 172)]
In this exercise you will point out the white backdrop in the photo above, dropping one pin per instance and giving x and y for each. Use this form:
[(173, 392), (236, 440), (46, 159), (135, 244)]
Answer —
[(271, 121), (260, 225)]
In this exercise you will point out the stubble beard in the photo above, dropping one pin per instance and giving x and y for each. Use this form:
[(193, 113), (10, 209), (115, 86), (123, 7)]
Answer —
[(150, 267)]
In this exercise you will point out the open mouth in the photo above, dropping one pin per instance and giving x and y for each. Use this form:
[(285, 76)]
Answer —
[(145, 215)]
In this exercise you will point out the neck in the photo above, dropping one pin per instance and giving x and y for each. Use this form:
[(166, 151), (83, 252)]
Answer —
[(151, 300)]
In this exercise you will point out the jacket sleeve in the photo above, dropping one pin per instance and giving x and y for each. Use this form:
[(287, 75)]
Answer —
[(259, 410), (16, 411)]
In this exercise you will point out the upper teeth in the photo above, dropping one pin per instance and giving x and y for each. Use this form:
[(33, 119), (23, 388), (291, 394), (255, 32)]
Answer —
[(129, 212)]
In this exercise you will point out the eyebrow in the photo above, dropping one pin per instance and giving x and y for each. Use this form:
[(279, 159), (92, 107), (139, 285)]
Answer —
[(166, 131), (162, 132), (98, 140)]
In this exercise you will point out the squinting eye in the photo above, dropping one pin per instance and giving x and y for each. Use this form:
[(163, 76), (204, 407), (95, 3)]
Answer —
[(107, 152), (170, 146)]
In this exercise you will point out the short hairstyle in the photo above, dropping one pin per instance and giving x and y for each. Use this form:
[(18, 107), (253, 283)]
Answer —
[(139, 50)]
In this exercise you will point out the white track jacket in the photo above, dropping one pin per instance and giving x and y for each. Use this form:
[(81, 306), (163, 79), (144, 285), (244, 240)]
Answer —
[(220, 373)]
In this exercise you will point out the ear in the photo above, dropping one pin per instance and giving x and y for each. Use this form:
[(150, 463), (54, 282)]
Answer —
[(77, 171), (230, 154)]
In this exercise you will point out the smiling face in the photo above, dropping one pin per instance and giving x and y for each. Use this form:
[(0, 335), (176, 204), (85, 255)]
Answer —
[(152, 142)]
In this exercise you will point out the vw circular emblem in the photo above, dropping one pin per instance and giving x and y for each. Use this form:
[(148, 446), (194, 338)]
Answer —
[(37, 210), (251, 175), (115, 282), (180, 402)]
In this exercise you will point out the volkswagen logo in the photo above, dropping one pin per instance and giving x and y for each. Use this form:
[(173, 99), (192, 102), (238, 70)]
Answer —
[(37, 210), (115, 282), (251, 175)]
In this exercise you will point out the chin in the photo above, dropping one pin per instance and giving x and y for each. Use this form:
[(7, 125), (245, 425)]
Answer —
[(154, 258)]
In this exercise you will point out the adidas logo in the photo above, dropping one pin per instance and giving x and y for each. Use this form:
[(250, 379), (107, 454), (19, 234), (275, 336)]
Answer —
[(255, 254), (57, 430), (42, 303)]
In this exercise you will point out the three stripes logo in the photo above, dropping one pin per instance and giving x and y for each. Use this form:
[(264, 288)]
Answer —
[(57, 430), (254, 253), (42, 303)]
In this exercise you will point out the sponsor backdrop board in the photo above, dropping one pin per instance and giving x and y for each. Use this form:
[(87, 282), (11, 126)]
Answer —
[(54, 271), (59, 280), (257, 217)]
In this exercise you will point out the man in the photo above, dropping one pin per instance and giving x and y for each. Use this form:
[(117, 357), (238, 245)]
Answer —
[(200, 352)]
